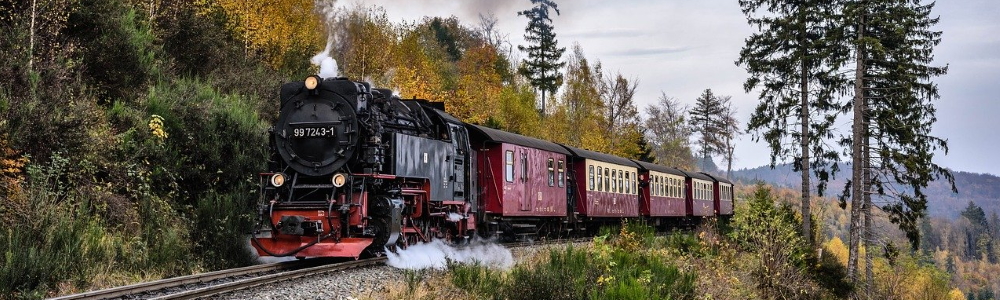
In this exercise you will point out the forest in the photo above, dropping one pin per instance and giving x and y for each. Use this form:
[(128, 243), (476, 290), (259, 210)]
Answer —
[(132, 132)]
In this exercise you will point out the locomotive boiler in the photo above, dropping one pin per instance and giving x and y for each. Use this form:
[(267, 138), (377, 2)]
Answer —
[(357, 170)]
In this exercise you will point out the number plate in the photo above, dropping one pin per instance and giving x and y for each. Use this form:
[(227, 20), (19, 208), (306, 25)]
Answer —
[(314, 132)]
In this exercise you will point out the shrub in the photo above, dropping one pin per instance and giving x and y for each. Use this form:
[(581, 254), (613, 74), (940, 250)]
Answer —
[(778, 254)]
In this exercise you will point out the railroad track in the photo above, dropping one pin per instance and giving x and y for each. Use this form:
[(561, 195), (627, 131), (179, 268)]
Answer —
[(224, 281), (212, 283)]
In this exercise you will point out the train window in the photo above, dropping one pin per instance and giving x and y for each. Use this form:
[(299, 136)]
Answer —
[(621, 182), (509, 166), (635, 184), (654, 185), (552, 173), (614, 181), (600, 180), (562, 173), (590, 171), (659, 185), (677, 188), (628, 183), (607, 180), (670, 187)]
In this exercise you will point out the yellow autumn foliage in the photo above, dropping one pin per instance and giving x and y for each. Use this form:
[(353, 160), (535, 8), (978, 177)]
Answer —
[(478, 94), (414, 75), (837, 248), (956, 294), (275, 28)]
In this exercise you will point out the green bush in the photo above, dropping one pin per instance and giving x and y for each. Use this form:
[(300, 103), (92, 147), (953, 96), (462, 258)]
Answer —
[(778, 260), (683, 243), (604, 272)]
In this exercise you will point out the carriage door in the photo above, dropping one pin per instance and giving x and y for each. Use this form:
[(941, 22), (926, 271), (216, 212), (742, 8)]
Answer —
[(525, 182), (459, 138)]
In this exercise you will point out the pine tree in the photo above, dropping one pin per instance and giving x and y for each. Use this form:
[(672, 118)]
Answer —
[(893, 114), (542, 65), (706, 121), (793, 59)]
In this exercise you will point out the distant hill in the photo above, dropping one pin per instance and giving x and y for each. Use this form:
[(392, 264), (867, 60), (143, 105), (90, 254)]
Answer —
[(983, 189)]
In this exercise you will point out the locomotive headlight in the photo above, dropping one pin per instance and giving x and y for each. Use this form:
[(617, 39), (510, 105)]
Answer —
[(312, 82), (339, 180), (278, 179)]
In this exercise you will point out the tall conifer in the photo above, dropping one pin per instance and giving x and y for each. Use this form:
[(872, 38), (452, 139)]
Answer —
[(542, 65), (892, 144), (793, 60)]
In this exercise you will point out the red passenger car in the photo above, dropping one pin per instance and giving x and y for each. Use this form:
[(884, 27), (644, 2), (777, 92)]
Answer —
[(723, 195), (606, 185), (661, 191), (519, 176), (699, 191)]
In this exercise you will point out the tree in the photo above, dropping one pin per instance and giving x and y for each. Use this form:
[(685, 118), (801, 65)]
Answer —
[(283, 32), (668, 133), (706, 122), (730, 130), (621, 115), (793, 59), (582, 102), (366, 43), (893, 114), (542, 65)]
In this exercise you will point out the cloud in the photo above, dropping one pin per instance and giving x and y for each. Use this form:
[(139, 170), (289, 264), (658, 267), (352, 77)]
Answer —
[(647, 51), (603, 34)]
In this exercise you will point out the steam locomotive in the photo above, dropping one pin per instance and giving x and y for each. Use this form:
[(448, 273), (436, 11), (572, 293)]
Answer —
[(355, 170)]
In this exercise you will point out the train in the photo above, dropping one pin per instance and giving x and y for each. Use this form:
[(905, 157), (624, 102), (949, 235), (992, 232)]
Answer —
[(356, 171)]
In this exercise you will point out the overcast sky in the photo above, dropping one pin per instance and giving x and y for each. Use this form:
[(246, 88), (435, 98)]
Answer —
[(682, 47)]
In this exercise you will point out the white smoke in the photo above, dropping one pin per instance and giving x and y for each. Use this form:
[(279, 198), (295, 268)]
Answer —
[(327, 65), (453, 217), (436, 255)]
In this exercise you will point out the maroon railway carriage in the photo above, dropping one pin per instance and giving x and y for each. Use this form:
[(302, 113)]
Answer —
[(699, 189), (722, 195), (519, 176), (606, 185), (661, 191)]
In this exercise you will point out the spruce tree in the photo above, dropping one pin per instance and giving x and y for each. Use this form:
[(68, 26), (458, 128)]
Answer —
[(542, 65), (892, 145), (706, 120), (793, 60)]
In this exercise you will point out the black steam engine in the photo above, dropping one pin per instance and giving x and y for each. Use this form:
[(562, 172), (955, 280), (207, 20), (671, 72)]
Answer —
[(356, 169)]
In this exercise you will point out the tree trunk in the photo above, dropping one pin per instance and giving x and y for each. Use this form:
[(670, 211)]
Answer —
[(869, 235), (857, 157), (729, 157), (869, 246), (31, 38), (804, 143)]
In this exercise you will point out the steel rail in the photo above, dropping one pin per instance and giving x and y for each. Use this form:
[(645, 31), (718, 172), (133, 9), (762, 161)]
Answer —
[(157, 285), (272, 278)]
